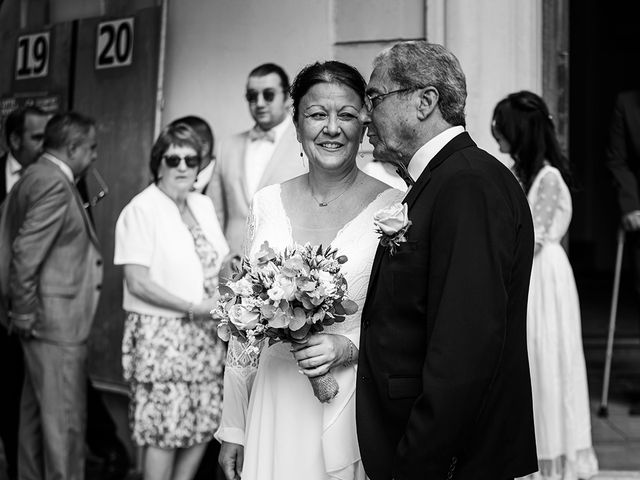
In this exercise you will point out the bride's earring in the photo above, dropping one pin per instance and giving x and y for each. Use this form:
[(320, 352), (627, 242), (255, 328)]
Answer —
[(302, 157)]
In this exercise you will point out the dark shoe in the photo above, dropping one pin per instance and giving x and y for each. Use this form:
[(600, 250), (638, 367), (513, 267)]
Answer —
[(635, 409)]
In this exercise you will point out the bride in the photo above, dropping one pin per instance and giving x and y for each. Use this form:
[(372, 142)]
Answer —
[(273, 427)]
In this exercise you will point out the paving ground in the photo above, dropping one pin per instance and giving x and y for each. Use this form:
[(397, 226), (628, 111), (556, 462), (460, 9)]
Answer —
[(616, 436)]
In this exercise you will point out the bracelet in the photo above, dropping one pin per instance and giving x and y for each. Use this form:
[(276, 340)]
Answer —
[(190, 314), (351, 353)]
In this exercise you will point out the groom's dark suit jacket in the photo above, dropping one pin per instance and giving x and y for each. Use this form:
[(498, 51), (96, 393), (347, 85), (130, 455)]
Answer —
[(443, 381)]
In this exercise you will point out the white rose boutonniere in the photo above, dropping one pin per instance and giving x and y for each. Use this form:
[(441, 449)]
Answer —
[(392, 223)]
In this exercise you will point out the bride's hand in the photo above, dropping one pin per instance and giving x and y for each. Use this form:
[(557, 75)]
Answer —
[(231, 458), (322, 352)]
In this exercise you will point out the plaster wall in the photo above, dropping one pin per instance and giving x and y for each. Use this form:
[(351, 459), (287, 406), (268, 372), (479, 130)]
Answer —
[(212, 46)]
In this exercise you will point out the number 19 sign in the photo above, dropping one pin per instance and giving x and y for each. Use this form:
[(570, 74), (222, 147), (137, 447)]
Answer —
[(115, 43), (32, 56)]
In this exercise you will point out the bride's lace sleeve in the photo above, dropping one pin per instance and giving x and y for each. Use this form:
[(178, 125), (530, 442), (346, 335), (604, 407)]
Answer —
[(240, 371), (545, 205)]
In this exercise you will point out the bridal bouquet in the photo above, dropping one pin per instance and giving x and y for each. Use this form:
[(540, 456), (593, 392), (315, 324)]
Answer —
[(285, 297)]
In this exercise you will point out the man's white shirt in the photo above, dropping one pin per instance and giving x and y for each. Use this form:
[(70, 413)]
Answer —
[(425, 154), (258, 155), (11, 171)]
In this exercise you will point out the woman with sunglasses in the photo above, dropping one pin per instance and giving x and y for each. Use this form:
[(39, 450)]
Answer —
[(172, 248)]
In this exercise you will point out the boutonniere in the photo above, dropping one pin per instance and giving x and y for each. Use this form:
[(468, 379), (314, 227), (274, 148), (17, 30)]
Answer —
[(392, 224)]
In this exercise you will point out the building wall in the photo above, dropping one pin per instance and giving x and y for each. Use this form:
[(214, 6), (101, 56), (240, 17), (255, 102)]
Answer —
[(499, 44), (212, 46)]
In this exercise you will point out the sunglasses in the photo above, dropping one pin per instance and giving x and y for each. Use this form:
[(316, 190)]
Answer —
[(269, 94), (172, 161)]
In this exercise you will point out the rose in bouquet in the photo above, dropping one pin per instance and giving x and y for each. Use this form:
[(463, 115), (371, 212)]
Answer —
[(286, 297)]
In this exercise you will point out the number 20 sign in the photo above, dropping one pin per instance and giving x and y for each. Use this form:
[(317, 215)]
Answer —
[(32, 56), (115, 43)]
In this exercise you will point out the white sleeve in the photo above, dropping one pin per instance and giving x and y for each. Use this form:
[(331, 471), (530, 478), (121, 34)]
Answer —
[(545, 206), (241, 367), (240, 371), (134, 237)]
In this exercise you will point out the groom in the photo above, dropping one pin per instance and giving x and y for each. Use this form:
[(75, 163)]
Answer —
[(443, 387)]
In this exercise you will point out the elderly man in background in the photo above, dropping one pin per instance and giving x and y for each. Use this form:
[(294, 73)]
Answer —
[(265, 155), (52, 291), (24, 132), (443, 388)]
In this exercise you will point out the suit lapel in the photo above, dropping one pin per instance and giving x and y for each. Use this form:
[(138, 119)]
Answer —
[(275, 162), (380, 251), (85, 216), (76, 195), (241, 162), (459, 142)]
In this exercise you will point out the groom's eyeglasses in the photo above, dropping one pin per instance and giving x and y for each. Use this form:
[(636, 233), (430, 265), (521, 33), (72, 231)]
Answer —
[(371, 102)]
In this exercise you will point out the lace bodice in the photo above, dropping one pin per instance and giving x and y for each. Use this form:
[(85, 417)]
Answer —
[(551, 206), (357, 240)]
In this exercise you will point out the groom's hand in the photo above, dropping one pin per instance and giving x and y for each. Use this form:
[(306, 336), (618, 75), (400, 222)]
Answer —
[(231, 459)]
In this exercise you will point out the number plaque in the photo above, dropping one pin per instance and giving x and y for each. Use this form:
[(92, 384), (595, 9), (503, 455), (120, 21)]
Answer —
[(32, 56), (115, 43)]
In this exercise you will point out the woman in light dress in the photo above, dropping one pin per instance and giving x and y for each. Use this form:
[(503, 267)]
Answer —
[(524, 129), (273, 427), (172, 248)]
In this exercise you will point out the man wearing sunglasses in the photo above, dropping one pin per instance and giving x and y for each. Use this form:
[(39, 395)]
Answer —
[(265, 155), (51, 288)]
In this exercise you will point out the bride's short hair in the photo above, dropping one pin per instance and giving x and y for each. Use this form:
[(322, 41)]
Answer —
[(331, 71)]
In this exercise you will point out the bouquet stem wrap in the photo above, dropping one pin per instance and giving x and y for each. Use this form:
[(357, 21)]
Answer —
[(325, 387)]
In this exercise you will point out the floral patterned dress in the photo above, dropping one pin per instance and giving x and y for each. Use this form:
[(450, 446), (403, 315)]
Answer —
[(175, 368)]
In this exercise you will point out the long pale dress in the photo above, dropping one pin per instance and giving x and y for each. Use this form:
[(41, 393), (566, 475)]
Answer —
[(269, 407), (554, 338)]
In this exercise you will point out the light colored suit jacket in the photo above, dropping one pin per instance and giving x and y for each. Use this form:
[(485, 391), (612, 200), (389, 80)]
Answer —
[(228, 187), (55, 268)]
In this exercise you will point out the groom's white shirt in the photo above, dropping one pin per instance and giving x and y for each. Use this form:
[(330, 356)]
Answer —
[(425, 153)]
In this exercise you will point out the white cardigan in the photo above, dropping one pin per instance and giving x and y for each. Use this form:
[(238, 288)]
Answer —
[(151, 233)]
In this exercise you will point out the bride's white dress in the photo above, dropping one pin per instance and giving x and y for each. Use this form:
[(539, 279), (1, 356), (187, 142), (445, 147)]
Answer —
[(269, 407)]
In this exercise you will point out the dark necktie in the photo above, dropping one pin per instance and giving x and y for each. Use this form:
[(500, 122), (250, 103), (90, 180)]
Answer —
[(403, 173)]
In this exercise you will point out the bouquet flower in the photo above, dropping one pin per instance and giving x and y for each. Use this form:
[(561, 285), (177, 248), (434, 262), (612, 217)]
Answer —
[(286, 297), (392, 224)]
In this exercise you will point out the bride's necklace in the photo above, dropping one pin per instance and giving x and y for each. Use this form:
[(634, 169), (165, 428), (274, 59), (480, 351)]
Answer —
[(327, 202)]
